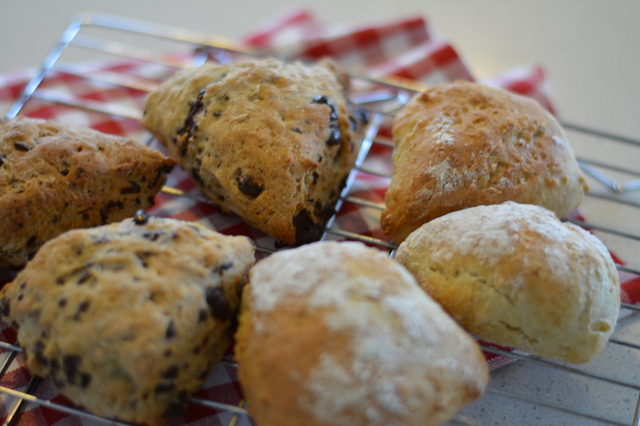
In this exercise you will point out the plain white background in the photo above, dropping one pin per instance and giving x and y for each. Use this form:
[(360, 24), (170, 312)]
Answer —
[(590, 49)]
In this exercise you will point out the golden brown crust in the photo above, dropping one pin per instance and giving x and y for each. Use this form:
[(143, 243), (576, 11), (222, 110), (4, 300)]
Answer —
[(338, 334), (128, 319), (55, 177), (462, 144), (514, 275), (268, 141)]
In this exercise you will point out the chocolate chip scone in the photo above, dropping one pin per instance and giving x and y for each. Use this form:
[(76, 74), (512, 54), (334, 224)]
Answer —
[(128, 319), (55, 177), (268, 141)]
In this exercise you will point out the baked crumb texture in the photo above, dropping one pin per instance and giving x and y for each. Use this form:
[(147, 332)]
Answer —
[(55, 177), (462, 144), (515, 275), (338, 334), (268, 141), (128, 319)]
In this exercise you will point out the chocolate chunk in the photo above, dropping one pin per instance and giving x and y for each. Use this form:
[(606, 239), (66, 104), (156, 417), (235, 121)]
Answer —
[(248, 185), (321, 100), (85, 380), (81, 308), (164, 387), (135, 188), (5, 308), (39, 353), (203, 314), (195, 174), (62, 302), (167, 168), (218, 303), (64, 172), (171, 373), (334, 137), (2, 160), (315, 177), (104, 213), (325, 212), (217, 114), (22, 146), (171, 330), (79, 172), (31, 241), (86, 275), (190, 125), (306, 229), (222, 267), (70, 364), (174, 410)]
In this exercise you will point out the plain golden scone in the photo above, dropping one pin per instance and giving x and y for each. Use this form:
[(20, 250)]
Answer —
[(515, 275), (339, 334), (271, 142), (461, 145), (128, 319), (55, 177)]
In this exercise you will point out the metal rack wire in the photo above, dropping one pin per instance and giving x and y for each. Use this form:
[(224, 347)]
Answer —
[(520, 393)]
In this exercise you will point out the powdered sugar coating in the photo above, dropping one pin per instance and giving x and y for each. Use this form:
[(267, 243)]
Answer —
[(441, 129), (491, 233), (515, 275), (399, 344)]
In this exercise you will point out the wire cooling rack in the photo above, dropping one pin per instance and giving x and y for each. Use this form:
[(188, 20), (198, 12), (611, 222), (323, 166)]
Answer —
[(532, 391)]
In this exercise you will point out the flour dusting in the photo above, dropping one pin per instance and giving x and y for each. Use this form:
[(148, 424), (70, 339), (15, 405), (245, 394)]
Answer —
[(442, 130), (387, 316)]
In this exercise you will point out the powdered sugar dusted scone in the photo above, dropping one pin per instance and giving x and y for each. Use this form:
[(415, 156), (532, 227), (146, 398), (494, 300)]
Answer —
[(128, 319), (338, 334), (55, 177), (461, 145), (268, 141), (515, 275)]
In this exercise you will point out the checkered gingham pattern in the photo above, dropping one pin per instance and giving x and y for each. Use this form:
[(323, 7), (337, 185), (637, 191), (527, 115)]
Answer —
[(403, 48)]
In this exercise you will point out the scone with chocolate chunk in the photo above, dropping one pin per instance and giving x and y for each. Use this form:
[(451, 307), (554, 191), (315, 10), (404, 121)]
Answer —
[(55, 177), (461, 145), (128, 319), (268, 141)]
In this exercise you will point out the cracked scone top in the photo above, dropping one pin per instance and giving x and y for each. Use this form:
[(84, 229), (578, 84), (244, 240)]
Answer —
[(268, 141), (339, 334), (128, 319), (461, 145), (55, 177), (515, 275)]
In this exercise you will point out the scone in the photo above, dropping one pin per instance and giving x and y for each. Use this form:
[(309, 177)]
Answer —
[(55, 177), (339, 334), (128, 319), (461, 145), (514, 275), (267, 141)]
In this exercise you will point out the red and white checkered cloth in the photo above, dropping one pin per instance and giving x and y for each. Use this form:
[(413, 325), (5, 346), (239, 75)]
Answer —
[(404, 48)]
